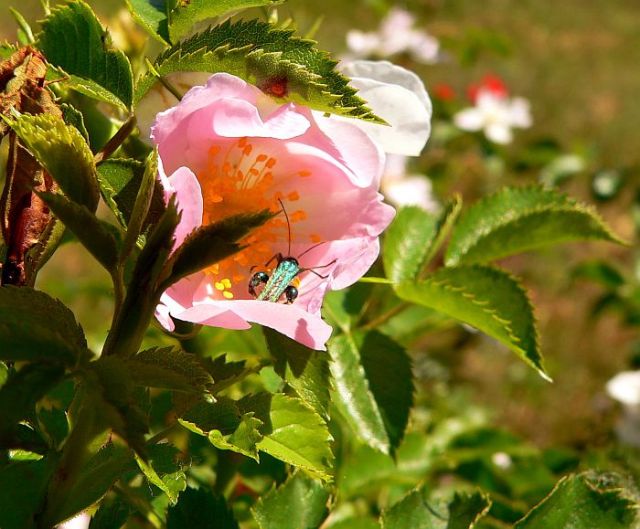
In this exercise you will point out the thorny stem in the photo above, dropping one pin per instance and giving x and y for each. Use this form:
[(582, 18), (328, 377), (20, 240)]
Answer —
[(116, 140)]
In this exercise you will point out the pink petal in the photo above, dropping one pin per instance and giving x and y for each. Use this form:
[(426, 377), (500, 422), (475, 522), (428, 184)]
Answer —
[(184, 185), (290, 320)]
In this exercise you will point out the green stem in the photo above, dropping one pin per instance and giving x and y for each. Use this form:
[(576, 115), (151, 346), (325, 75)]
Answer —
[(116, 140), (385, 317), (174, 91)]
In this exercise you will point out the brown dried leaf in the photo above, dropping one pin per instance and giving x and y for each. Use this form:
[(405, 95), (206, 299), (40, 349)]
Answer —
[(26, 223)]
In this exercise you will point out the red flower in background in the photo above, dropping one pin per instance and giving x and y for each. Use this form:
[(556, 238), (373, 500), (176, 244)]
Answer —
[(489, 83), (444, 92)]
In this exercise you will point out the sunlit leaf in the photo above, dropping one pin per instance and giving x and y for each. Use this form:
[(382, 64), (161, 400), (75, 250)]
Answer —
[(299, 502), (374, 384), (305, 370), (63, 152), (486, 298), (584, 501), (73, 39), (515, 220), (284, 66)]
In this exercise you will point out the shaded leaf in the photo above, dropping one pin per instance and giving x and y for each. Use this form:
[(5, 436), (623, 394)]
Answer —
[(201, 508), (284, 66), (23, 485), (18, 397), (73, 39), (90, 231), (300, 502), (212, 243), (63, 152), (486, 298), (305, 370), (224, 373), (583, 501), (34, 326), (407, 243), (97, 476), (120, 179), (184, 15), (226, 425), (417, 509), (374, 384), (72, 116), (515, 220), (141, 205), (169, 368), (164, 471)]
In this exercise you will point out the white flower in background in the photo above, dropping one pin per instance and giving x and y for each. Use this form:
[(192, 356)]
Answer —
[(501, 460), (625, 388), (402, 189), (396, 35), (399, 97), (494, 112)]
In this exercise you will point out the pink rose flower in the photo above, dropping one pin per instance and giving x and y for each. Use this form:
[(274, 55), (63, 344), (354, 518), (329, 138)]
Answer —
[(227, 148)]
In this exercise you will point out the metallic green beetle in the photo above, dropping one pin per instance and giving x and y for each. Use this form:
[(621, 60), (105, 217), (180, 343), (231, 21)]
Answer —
[(287, 269)]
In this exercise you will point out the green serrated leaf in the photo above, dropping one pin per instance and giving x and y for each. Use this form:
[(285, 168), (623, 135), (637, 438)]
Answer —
[(201, 508), (486, 298), (407, 242), (417, 509), (584, 501), (292, 432), (120, 179), (305, 370), (73, 39), (515, 220), (90, 231), (209, 244), (284, 66), (164, 471), (36, 327), (63, 152), (374, 384), (112, 386), (171, 369), (72, 116), (186, 14), (446, 220), (224, 373), (226, 426), (143, 294), (93, 482), (141, 206), (152, 16), (112, 513), (300, 502)]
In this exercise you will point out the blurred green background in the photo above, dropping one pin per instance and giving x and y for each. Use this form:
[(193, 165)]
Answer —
[(577, 62)]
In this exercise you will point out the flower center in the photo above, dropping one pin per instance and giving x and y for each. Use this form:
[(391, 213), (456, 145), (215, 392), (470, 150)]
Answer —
[(239, 178)]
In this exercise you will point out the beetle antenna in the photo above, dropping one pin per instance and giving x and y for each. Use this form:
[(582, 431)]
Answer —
[(288, 225), (311, 248)]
